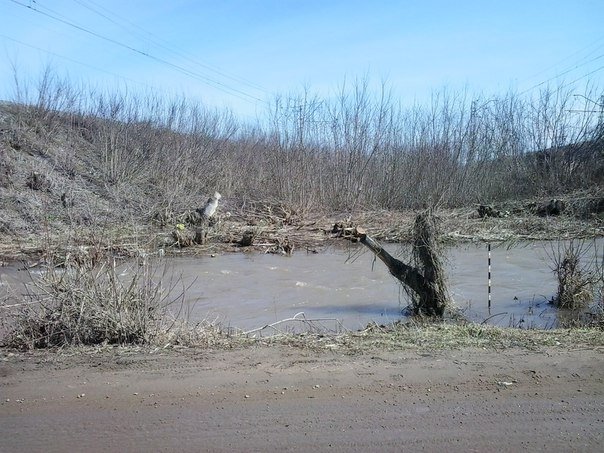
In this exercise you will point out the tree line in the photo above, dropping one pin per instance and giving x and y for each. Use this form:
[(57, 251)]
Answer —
[(357, 149)]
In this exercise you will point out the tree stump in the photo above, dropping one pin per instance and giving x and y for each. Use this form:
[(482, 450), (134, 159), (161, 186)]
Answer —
[(426, 280)]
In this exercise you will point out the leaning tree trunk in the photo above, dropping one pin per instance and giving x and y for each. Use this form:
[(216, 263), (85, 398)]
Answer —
[(426, 280)]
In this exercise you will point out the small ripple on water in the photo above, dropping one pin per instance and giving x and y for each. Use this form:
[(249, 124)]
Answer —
[(248, 291)]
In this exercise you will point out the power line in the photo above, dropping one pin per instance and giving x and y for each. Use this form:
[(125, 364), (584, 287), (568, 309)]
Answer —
[(164, 44), (54, 54), (583, 76), (566, 72), (213, 83), (568, 57)]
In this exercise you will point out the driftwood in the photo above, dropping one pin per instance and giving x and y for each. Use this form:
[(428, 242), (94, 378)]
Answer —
[(185, 237), (340, 230), (489, 211), (553, 208), (426, 281)]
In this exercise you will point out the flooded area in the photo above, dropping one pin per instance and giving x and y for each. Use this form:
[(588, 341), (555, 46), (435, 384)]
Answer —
[(250, 290), (348, 288)]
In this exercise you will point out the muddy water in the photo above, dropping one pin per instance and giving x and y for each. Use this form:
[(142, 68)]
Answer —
[(251, 290), (346, 287)]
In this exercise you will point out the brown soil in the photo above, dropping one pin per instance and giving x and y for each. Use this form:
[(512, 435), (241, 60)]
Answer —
[(282, 398)]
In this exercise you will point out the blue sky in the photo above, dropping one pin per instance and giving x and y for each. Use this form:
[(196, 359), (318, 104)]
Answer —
[(239, 54)]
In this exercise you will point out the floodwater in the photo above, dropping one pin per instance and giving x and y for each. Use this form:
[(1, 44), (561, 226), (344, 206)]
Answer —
[(348, 288), (251, 290)]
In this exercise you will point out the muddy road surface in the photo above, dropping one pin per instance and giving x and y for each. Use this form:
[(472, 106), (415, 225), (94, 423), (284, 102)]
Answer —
[(286, 399)]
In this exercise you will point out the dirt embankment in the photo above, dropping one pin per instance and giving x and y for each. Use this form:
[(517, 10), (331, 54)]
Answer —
[(289, 399)]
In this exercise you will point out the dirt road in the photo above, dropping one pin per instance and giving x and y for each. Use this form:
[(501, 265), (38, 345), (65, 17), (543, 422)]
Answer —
[(286, 399)]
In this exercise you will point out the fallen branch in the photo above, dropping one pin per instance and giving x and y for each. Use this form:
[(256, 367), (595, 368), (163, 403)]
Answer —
[(300, 317)]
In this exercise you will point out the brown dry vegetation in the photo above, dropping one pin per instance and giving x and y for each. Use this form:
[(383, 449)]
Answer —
[(79, 166), (88, 178), (93, 176)]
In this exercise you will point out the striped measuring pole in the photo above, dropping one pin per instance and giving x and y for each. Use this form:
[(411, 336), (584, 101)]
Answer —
[(489, 276)]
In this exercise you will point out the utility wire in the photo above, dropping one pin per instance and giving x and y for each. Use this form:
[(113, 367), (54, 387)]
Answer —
[(213, 83), (163, 44), (566, 72), (583, 76), (568, 57), (78, 62)]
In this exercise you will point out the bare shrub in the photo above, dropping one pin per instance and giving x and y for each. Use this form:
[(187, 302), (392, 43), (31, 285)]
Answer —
[(356, 149), (7, 169), (91, 299), (41, 104), (360, 148), (578, 272), (38, 181)]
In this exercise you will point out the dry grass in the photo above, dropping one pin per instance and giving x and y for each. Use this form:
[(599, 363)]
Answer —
[(89, 298), (85, 323), (442, 336)]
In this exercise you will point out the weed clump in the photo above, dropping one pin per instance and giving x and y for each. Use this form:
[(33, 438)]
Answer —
[(577, 274), (86, 301)]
